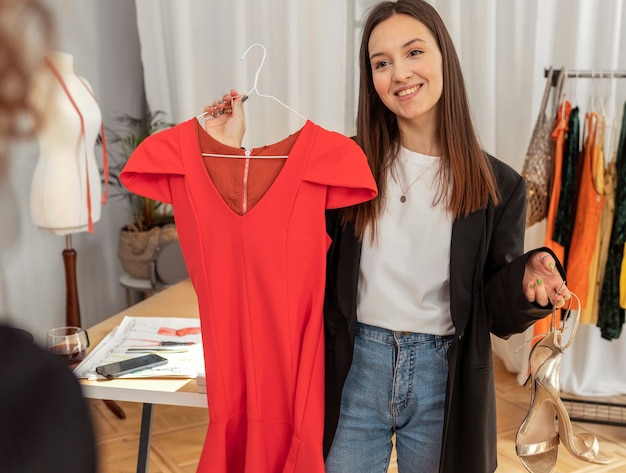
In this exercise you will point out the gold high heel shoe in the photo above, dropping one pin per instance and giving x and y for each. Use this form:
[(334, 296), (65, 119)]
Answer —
[(537, 454)]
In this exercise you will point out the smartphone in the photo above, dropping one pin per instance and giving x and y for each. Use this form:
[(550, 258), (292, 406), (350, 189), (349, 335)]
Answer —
[(119, 368)]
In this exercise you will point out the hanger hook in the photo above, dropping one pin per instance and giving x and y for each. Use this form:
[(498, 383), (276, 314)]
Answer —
[(258, 71)]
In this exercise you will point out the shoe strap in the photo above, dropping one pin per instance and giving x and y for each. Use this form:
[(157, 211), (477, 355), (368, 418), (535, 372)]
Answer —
[(559, 331), (537, 448)]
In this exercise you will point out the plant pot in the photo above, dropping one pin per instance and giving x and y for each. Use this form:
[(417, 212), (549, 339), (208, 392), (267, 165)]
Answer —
[(136, 249)]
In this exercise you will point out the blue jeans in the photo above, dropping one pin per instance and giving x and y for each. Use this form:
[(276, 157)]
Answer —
[(396, 384)]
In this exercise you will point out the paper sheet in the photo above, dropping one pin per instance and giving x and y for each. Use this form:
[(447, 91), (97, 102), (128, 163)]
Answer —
[(177, 339)]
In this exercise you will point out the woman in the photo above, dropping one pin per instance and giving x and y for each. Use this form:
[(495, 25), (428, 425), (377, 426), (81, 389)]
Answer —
[(419, 277)]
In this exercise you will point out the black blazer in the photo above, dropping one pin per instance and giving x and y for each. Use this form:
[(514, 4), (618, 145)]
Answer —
[(487, 263)]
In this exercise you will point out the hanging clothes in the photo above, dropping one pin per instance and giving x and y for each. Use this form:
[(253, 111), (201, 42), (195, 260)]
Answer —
[(558, 135), (611, 315), (587, 217), (564, 220), (542, 326), (622, 223), (588, 312), (604, 232), (259, 277)]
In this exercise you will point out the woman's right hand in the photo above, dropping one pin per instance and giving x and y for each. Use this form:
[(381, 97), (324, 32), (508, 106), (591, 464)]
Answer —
[(225, 119)]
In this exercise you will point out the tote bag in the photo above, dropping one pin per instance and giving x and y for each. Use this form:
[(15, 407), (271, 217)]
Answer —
[(538, 162)]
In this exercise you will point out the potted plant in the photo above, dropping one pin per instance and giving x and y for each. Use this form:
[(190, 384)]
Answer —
[(151, 221)]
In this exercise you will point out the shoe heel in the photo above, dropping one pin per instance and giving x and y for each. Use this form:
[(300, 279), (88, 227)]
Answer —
[(537, 456), (584, 446)]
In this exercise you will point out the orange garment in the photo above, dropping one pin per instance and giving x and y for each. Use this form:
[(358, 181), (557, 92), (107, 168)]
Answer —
[(558, 135), (587, 217)]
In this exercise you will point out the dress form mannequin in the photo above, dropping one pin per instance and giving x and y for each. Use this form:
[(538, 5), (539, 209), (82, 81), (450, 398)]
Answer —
[(66, 189)]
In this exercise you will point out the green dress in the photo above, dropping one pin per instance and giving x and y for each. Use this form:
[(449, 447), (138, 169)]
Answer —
[(611, 316), (564, 219)]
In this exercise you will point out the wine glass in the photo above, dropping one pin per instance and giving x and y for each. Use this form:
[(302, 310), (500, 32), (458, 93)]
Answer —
[(70, 343)]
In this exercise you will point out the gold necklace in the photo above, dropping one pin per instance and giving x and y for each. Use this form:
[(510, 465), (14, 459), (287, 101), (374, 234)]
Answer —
[(405, 191)]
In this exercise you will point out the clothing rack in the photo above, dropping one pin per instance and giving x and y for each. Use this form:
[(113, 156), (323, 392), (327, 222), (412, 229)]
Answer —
[(585, 74), (581, 409)]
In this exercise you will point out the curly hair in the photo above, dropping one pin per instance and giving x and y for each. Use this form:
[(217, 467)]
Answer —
[(26, 32)]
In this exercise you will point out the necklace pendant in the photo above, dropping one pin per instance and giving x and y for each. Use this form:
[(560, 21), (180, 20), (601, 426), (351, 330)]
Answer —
[(403, 199)]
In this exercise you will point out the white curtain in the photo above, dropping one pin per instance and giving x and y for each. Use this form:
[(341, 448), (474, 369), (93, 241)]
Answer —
[(191, 52)]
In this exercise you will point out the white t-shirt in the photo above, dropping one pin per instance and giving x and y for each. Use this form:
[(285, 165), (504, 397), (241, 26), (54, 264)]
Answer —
[(404, 280)]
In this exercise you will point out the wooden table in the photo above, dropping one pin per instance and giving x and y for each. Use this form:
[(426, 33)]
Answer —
[(176, 301)]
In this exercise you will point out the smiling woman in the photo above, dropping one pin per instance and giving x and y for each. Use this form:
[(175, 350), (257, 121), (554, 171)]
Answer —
[(438, 255)]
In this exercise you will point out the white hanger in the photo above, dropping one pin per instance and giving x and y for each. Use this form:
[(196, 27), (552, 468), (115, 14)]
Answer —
[(611, 122), (572, 86), (594, 96), (256, 91), (256, 79), (599, 97)]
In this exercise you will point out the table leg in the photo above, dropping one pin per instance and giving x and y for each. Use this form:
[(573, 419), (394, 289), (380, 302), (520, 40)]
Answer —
[(129, 297), (144, 438), (115, 409)]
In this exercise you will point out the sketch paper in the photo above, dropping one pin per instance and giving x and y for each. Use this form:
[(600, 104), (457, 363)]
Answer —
[(177, 339)]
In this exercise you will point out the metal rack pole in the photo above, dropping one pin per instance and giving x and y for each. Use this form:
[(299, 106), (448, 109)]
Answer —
[(586, 74)]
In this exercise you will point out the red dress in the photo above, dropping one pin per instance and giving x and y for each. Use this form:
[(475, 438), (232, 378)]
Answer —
[(259, 278)]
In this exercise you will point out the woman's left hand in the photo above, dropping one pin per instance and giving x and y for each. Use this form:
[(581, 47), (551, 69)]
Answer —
[(542, 281)]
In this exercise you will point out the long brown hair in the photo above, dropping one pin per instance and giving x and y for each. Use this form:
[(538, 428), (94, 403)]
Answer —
[(464, 164)]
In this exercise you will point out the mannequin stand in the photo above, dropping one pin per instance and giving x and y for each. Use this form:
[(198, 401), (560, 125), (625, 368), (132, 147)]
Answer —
[(72, 308)]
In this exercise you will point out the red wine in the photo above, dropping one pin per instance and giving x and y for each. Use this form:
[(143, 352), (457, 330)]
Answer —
[(71, 353)]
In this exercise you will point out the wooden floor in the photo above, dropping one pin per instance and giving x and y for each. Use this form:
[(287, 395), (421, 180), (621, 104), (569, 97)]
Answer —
[(178, 435)]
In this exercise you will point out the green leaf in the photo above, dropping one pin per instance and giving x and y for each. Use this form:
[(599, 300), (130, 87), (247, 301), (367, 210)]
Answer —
[(122, 140)]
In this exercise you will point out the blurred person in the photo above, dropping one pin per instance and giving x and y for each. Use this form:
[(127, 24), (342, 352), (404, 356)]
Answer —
[(45, 423)]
